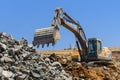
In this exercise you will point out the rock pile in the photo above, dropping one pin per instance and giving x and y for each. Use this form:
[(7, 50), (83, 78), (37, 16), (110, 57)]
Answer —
[(19, 61)]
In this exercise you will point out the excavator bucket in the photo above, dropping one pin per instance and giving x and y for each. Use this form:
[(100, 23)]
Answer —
[(46, 36)]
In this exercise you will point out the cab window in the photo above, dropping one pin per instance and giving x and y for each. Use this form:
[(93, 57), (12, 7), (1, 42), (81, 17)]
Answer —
[(99, 47), (92, 48)]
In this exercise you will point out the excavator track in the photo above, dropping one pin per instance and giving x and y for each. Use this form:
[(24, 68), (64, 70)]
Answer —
[(101, 63)]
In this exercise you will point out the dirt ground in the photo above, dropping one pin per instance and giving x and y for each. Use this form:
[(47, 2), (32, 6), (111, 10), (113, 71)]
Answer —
[(91, 71)]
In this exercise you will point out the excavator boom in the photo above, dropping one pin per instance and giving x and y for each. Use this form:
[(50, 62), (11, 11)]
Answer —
[(51, 34), (88, 50)]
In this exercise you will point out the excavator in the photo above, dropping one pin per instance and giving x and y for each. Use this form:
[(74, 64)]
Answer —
[(89, 49)]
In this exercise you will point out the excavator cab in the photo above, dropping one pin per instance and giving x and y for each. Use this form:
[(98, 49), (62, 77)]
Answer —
[(96, 51), (94, 48)]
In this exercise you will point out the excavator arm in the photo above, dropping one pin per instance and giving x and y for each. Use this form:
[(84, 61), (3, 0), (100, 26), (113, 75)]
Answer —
[(42, 36)]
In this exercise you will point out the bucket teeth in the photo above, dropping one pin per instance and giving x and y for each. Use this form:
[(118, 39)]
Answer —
[(42, 45), (47, 44), (46, 36)]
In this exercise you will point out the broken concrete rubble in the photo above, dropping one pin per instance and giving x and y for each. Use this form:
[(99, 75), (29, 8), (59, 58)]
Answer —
[(19, 61)]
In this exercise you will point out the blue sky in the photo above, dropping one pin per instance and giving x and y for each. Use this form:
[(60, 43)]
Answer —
[(99, 18)]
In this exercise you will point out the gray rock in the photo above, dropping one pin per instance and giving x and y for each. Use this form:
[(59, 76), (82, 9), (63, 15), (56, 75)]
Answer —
[(56, 64), (82, 76), (1, 70), (35, 74), (7, 74), (23, 70), (6, 55), (3, 47), (7, 59), (14, 69), (1, 55), (47, 61), (21, 77), (23, 41)]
